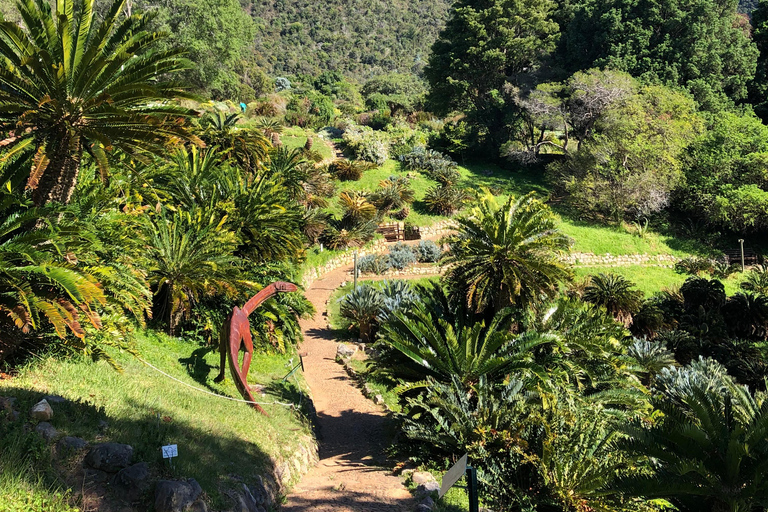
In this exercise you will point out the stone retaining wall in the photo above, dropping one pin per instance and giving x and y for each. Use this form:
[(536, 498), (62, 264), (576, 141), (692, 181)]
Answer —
[(588, 259)]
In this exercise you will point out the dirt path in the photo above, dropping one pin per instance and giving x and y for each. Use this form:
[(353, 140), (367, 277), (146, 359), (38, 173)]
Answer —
[(351, 428)]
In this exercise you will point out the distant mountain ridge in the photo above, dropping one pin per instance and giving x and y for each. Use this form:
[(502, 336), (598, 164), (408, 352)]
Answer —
[(360, 38)]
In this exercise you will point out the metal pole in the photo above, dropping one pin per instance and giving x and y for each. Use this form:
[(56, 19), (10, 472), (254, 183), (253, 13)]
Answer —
[(354, 270), (741, 241), (474, 499)]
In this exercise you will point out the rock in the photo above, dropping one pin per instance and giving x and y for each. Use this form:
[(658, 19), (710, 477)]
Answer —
[(177, 496), (283, 474), (41, 411), (54, 399), (428, 502), (198, 506), (133, 481), (71, 444), (7, 403), (427, 488), (110, 457), (378, 399), (46, 430), (103, 425), (423, 508), (248, 502), (422, 477), (344, 351)]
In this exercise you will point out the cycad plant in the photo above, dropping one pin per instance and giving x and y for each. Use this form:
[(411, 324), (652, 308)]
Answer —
[(465, 348), (39, 279), (507, 254), (73, 83), (188, 255), (756, 280), (709, 450), (616, 293), (362, 307), (245, 148)]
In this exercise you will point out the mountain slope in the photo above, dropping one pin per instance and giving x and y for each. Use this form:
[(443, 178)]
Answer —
[(360, 38)]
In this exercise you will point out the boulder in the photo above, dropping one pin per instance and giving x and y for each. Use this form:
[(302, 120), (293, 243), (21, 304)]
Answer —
[(428, 502), (132, 481), (423, 508), (41, 411), (378, 399), (345, 351), (178, 496), (46, 430), (422, 477), (427, 489), (71, 444), (110, 457)]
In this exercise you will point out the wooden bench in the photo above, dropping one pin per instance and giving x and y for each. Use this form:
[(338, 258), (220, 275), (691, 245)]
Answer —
[(391, 232), (750, 257)]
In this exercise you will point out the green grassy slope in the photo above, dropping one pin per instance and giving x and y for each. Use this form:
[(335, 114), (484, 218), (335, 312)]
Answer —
[(220, 442)]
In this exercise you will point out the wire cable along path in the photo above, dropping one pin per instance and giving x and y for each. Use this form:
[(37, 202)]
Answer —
[(201, 390)]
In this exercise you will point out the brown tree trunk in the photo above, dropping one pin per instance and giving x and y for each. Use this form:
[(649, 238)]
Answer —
[(60, 176)]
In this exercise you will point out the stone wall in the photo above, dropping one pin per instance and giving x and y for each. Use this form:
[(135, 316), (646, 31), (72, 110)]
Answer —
[(588, 259)]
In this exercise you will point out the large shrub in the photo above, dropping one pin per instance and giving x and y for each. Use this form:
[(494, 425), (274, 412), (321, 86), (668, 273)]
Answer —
[(367, 144), (445, 200), (428, 251), (374, 264), (401, 256), (434, 164), (361, 307)]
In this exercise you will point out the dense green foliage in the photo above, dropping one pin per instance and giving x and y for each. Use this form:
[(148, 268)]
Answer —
[(362, 39), (703, 46)]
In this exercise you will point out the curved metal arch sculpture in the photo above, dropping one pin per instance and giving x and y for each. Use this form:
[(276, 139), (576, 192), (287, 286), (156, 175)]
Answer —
[(236, 334)]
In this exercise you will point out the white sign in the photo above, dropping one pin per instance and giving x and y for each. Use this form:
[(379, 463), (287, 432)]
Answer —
[(453, 475), (170, 451)]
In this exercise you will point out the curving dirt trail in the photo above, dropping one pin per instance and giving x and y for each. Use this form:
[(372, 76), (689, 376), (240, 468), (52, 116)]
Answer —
[(350, 476)]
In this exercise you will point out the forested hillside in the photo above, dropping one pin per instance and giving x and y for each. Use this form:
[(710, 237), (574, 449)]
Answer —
[(361, 38)]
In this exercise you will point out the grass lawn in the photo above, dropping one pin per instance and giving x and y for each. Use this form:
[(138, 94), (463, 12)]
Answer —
[(651, 280), (296, 137), (587, 236), (221, 443)]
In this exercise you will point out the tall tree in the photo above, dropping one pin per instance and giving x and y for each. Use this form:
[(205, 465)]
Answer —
[(486, 45), (702, 45), (72, 84)]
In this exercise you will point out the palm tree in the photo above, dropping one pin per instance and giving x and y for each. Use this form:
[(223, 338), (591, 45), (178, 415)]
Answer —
[(507, 255), (38, 277), (465, 347), (188, 255), (245, 148), (71, 84), (651, 357), (710, 447), (616, 294)]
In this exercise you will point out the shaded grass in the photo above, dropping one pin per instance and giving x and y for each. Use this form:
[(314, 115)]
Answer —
[(221, 442)]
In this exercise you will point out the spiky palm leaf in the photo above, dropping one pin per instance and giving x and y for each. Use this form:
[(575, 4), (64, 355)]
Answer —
[(356, 207), (188, 254), (35, 277), (710, 449), (362, 307), (616, 293), (505, 255), (467, 350), (757, 280), (71, 83), (248, 149)]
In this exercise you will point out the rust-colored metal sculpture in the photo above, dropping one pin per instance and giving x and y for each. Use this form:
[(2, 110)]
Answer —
[(236, 333)]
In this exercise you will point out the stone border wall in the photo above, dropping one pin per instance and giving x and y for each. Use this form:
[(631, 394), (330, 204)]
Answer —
[(588, 259)]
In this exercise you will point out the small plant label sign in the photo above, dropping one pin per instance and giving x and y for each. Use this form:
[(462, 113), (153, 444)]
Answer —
[(170, 451)]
